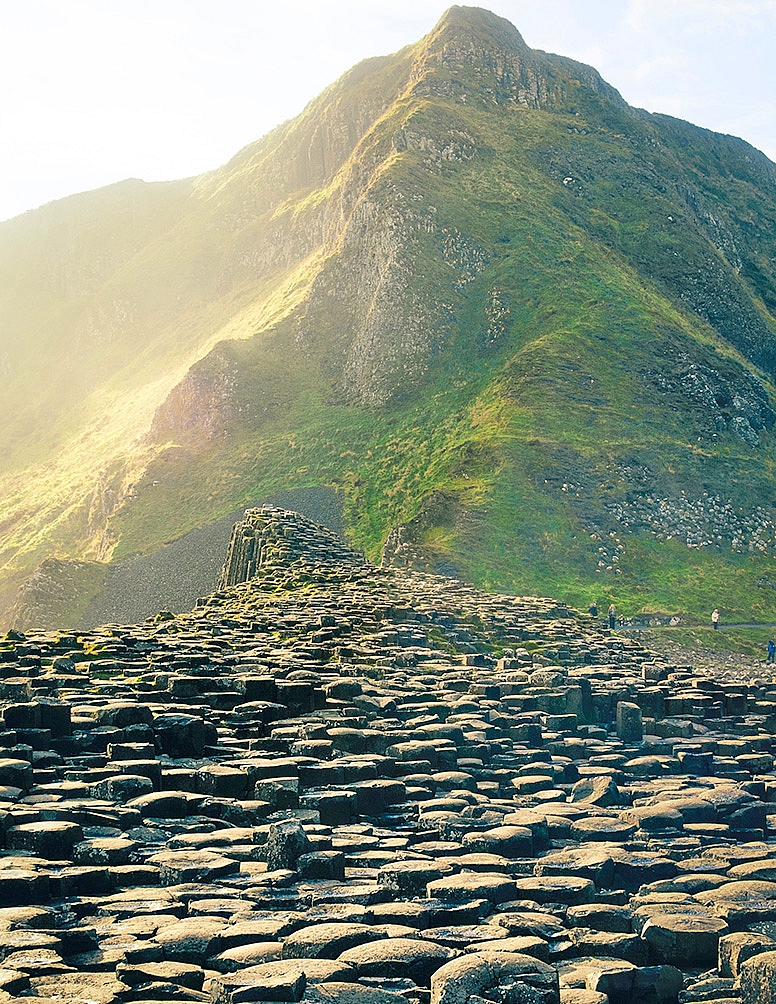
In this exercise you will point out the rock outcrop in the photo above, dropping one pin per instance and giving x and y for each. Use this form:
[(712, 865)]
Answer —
[(334, 782), (268, 536)]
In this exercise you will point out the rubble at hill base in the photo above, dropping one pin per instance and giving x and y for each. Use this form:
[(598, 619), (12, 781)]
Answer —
[(334, 782)]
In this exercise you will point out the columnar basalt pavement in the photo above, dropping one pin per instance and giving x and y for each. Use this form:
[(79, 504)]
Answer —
[(331, 782)]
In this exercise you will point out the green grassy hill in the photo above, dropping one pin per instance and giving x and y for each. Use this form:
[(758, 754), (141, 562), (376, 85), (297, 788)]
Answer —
[(524, 330)]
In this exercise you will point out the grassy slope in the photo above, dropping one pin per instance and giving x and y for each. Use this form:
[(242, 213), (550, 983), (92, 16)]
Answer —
[(561, 378), (536, 384)]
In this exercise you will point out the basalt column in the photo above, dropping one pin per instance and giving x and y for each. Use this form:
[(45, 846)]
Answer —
[(268, 536), (242, 556)]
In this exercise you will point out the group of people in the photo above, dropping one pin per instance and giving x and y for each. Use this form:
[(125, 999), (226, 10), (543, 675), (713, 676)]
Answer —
[(611, 613)]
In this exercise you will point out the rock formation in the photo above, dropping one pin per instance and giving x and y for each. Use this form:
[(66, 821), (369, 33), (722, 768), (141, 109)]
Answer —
[(334, 782), (268, 536)]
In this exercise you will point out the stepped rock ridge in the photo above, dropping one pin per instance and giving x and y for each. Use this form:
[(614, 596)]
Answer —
[(336, 782), (270, 536), (523, 331)]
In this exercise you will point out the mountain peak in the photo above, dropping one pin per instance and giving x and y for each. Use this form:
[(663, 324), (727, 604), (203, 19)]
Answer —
[(480, 25), (472, 53)]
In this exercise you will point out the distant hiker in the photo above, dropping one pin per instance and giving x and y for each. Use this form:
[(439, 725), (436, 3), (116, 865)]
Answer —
[(715, 619), (593, 610), (612, 612), (771, 650)]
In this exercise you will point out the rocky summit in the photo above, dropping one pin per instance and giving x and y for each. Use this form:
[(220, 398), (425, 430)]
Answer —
[(332, 782)]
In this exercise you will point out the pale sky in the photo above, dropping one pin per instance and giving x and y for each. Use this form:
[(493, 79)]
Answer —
[(96, 91)]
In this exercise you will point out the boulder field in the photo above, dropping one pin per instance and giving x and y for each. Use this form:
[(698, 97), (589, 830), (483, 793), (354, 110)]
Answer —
[(341, 784)]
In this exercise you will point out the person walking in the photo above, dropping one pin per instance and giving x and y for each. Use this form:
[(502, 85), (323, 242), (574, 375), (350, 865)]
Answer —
[(771, 650), (715, 619), (593, 610), (612, 613)]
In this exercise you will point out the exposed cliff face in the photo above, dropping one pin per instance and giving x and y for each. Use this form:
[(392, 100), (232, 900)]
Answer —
[(468, 271), (366, 320), (673, 224), (57, 593), (723, 397), (203, 406), (384, 329)]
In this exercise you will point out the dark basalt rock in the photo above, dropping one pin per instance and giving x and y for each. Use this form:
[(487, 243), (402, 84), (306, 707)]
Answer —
[(331, 775), (265, 537)]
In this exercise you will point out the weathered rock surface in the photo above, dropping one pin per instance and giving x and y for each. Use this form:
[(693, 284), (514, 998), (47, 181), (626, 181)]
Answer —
[(337, 781)]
